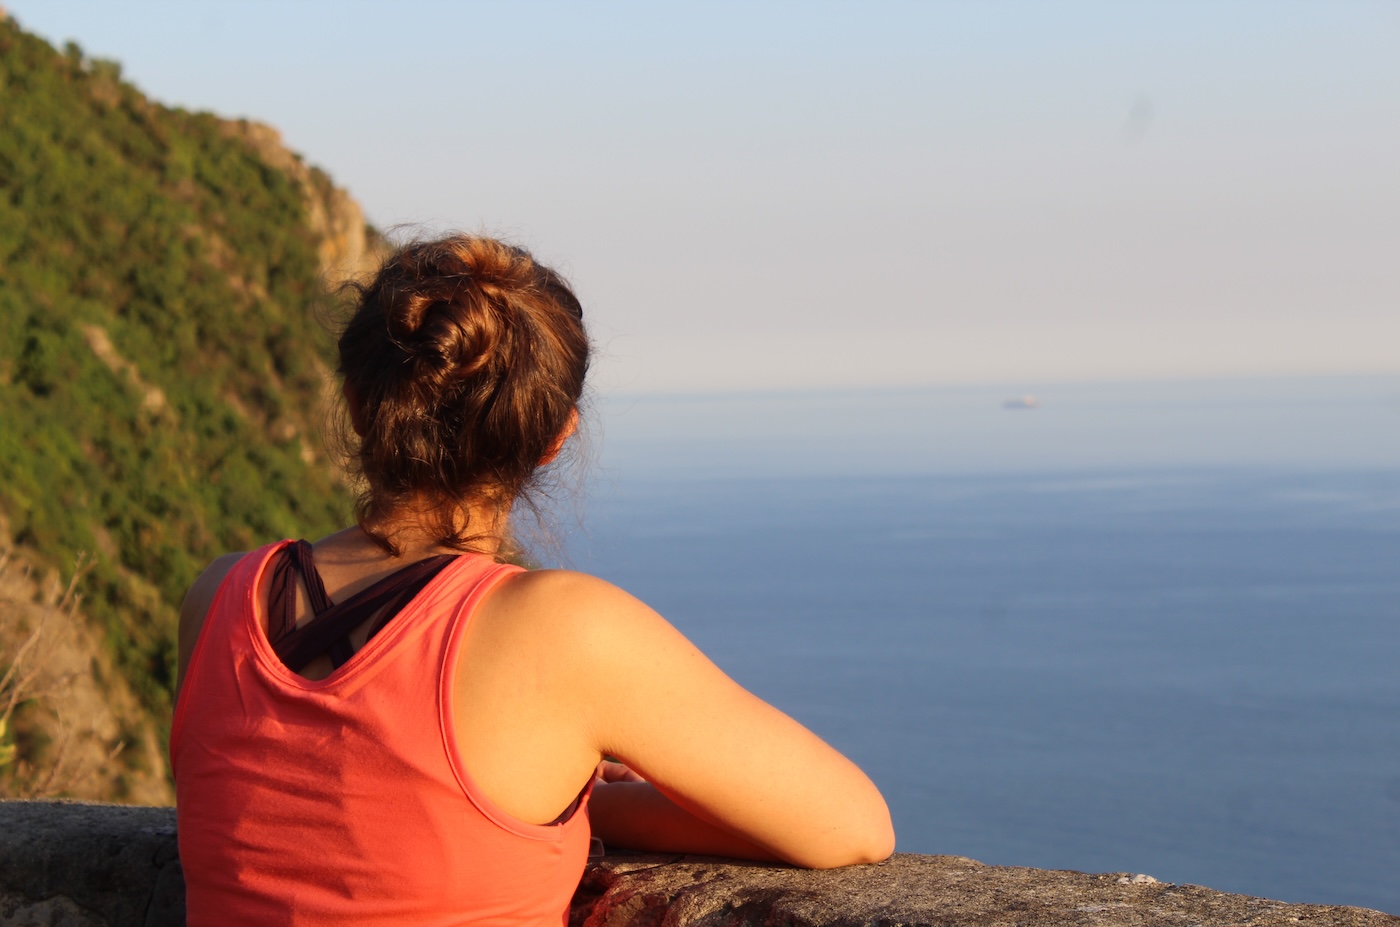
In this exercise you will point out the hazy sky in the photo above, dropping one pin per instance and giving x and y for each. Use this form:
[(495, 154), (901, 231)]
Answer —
[(773, 195)]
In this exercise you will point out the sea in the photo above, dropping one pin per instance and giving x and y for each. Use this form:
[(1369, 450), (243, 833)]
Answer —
[(1144, 627)]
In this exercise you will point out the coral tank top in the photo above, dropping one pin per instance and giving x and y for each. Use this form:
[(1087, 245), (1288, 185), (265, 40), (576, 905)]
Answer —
[(345, 800)]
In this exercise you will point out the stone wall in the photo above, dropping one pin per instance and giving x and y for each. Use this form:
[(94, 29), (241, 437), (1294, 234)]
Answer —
[(69, 864)]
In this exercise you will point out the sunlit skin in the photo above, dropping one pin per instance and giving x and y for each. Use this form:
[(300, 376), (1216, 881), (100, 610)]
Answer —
[(559, 670)]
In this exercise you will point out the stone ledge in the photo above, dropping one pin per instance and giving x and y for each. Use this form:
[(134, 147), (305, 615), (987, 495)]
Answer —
[(73, 864), (76, 864), (911, 891)]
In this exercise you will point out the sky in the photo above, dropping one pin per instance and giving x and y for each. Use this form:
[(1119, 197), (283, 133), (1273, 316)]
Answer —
[(792, 196)]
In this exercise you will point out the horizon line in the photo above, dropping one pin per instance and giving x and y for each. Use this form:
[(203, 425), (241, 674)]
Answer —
[(1017, 387)]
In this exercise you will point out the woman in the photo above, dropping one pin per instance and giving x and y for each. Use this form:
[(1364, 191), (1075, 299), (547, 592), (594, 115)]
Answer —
[(430, 748)]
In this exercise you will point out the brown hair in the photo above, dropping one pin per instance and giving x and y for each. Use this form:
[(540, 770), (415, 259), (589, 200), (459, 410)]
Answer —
[(463, 362)]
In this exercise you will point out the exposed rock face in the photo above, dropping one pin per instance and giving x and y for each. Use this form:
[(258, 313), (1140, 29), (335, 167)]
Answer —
[(343, 245), (82, 865)]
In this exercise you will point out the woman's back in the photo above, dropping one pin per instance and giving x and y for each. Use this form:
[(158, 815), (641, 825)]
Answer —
[(345, 799), (463, 368)]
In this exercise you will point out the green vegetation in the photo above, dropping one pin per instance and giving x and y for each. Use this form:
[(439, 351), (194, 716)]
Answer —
[(161, 362)]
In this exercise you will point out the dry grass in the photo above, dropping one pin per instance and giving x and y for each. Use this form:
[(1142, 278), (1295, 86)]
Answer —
[(28, 678), (65, 725)]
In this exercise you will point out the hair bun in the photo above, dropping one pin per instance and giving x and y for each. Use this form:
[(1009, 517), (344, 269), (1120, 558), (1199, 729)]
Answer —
[(468, 358), (454, 344)]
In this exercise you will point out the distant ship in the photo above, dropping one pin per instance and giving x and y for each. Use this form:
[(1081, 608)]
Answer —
[(1025, 402)]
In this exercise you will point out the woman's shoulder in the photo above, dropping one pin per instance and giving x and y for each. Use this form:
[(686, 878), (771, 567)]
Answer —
[(210, 578), (573, 606), (580, 626), (540, 587), (195, 607), (200, 596)]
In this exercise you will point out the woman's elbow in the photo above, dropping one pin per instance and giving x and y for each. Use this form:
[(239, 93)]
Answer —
[(876, 846), (871, 844), (880, 846)]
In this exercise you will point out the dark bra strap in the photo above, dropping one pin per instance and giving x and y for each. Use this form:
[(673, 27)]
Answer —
[(328, 631), (282, 590)]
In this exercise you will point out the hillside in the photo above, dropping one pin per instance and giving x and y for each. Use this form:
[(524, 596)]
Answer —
[(163, 354)]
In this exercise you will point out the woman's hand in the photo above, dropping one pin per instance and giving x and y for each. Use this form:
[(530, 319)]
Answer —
[(610, 771)]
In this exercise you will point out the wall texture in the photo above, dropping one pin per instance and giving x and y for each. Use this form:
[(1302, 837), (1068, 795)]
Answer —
[(70, 864)]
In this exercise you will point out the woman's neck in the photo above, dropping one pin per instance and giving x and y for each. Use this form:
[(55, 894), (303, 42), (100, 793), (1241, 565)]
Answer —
[(416, 533)]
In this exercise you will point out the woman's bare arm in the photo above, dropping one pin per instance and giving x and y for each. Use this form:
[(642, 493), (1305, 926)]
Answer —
[(725, 771)]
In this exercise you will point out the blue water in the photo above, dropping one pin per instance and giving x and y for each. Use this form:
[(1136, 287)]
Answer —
[(1189, 669)]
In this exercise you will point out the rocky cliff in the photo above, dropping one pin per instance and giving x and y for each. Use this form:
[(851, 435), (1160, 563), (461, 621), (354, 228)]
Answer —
[(164, 361)]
